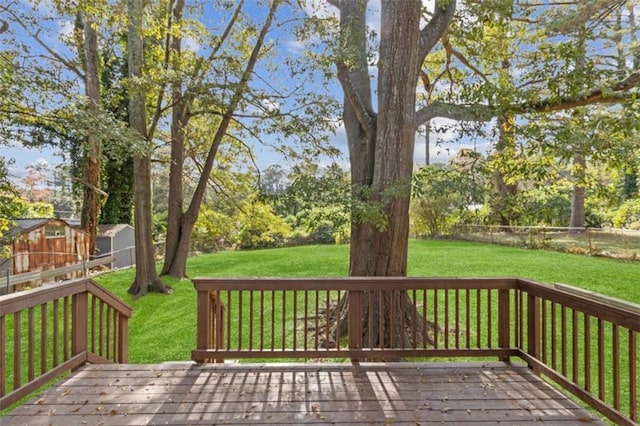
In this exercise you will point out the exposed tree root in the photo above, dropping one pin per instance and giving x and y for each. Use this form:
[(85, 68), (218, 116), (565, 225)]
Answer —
[(408, 329)]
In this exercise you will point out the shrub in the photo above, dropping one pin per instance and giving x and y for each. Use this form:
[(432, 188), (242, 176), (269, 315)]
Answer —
[(628, 215)]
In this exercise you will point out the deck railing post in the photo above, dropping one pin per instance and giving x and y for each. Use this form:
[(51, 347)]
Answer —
[(355, 321), (504, 323), (203, 321), (79, 321)]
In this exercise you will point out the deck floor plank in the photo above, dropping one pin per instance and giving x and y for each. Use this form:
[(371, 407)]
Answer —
[(372, 393)]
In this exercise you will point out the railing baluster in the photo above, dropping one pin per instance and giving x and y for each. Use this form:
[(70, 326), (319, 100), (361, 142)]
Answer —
[(306, 319), (414, 319), (56, 333), (575, 334), (338, 318), (229, 310), (425, 330), (554, 339), (295, 319), (457, 318), (262, 315), (370, 306), (587, 353), (17, 350), (478, 318), (489, 320), (633, 376), (241, 324), (317, 320), (446, 319), (616, 366), (3, 352), (544, 332), (601, 363), (65, 329), (563, 331), (436, 326), (250, 347), (44, 319), (273, 320), (100, 327), (31, 370), (93, 324), (467, 322), (284, 319), (327, 320)]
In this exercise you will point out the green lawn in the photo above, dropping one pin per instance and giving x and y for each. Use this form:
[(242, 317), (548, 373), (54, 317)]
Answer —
[(163, 327)]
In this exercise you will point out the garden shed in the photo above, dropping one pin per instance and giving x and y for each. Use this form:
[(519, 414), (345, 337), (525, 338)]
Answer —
[(118, 241), (38, 245)]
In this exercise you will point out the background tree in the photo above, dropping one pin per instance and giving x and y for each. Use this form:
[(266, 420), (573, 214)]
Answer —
[(146, 276)]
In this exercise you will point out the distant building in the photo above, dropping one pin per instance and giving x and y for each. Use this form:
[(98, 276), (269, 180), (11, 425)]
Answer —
[(118, 241), (38, 245)]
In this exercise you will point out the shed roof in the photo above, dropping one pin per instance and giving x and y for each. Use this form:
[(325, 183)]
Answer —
[(112, 229), (27, 225)]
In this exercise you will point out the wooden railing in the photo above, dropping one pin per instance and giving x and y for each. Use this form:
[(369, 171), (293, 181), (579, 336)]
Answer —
[(586, 343), (53, 329)]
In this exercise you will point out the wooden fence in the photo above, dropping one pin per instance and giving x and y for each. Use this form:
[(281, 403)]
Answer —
[(587, 344), (47, 331)]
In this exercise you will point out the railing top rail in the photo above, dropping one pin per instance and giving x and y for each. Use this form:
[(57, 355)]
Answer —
[(353, 283), (620, 312), (29, 298)]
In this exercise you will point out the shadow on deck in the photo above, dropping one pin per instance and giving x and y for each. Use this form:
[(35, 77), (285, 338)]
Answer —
[(368, 393)]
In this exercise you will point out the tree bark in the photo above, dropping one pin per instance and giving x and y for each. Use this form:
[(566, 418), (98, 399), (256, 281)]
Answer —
[(146, 275), (91, 180)]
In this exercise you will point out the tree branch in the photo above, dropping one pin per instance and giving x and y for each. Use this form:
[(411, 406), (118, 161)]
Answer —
[(436, 27), (619, 92), (365, 117)]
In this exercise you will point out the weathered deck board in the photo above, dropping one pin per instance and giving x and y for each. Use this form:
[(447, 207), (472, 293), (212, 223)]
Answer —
[(376, 393)]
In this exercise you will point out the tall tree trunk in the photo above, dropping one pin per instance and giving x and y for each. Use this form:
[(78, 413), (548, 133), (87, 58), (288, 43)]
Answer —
[(381, 147), (577, 203), (91, 180), (398, 73), (174, 263), (146, 275), (504, 193)]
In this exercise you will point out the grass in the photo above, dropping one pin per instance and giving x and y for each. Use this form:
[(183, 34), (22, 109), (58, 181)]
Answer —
[(163, 328)]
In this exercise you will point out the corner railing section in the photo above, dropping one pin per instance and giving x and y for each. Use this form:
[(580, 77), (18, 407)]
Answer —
[(53, 329), (586, 343)]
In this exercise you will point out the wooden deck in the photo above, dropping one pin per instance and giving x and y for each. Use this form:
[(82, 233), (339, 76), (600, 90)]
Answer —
[(368, 393)]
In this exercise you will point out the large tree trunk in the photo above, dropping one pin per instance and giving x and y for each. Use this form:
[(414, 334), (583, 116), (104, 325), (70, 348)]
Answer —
[(577, 203), (175, 257), (146, 275), (91, 180), (381, 147)]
